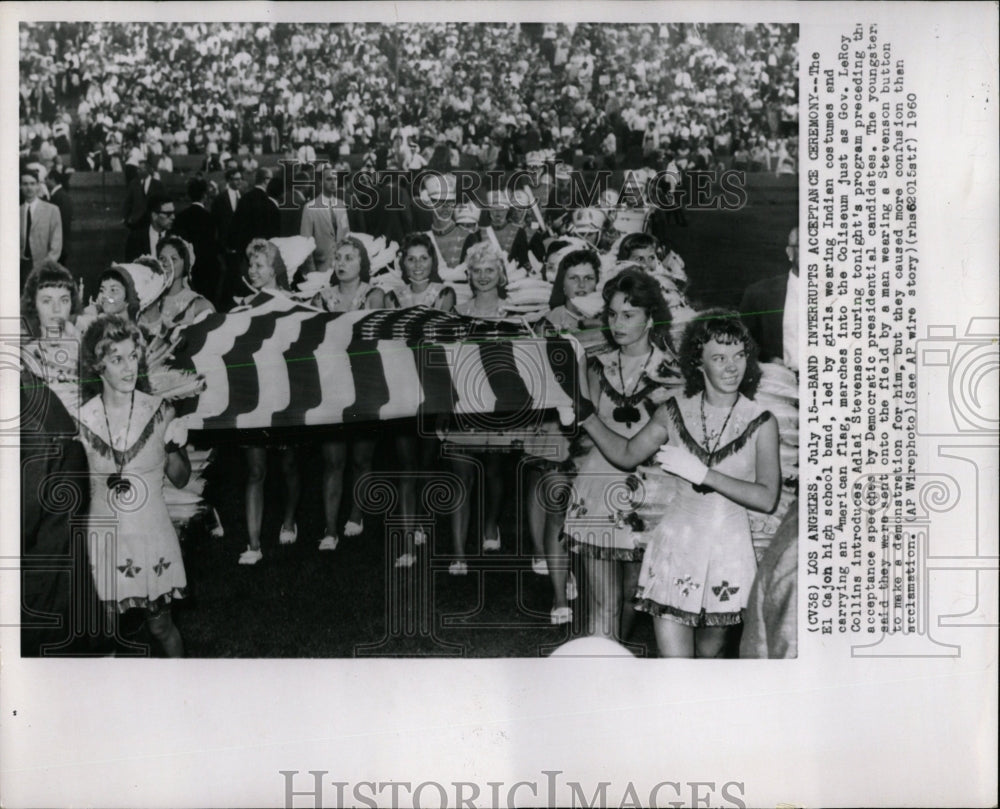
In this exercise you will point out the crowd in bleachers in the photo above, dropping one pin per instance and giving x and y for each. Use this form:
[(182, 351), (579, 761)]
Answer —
[(597, 94)]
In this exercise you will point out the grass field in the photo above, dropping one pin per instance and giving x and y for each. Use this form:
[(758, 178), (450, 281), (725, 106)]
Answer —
[(299, 602)]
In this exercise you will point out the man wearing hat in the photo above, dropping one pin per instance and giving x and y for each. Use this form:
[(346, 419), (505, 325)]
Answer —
[(502, 232), (439, 193), (588, 224)]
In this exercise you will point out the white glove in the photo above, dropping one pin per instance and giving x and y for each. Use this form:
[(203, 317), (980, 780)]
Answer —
[(176, 432), (566, 416), (682, 463)]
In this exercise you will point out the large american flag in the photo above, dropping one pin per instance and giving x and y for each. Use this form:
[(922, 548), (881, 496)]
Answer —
[(279, 363)]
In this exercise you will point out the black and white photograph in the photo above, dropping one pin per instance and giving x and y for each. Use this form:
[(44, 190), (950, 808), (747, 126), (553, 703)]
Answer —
[(342, 267), (499, 404)]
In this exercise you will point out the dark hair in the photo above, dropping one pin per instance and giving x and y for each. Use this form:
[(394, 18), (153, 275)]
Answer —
[(157, 201), (230, 173), (50, 273), (366, 263), (555, 246), (30, 173), (724, 326), (100, 336), (118, 273), (197, 187), (262, 175), (635, 241), (273, 254), (419, 240), (643, 291), (181, 246), (572, 259)]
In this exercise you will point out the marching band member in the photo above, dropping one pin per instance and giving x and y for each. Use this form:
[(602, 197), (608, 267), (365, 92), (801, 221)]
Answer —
[(485, 267), (448, 238), (602, 524), (699, 565), (422, 287), (351, 292), (504, 232), (266, 272), (132, 441)]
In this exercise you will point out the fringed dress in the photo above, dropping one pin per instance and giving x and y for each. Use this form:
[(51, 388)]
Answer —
[(612, 511), (699, 564), (134, 554)]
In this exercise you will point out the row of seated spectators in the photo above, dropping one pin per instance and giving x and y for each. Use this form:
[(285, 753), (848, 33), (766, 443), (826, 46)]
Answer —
[(494, 92)]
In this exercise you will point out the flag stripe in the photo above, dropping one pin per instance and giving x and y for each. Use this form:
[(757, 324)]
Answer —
[(242, 372), (370, 388), (502, 374), (276, 363), (303, 373)]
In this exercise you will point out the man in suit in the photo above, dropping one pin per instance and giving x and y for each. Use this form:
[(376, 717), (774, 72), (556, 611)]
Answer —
[(224, 205), (289, 201), (143, 241), (256, 217), (41, 226), (197, 225), (59, 196), (135, 212), (325, 219), (223, 210), (770, 311)]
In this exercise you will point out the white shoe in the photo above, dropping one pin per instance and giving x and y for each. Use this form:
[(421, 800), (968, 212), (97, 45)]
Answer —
[(540, 566), (571, 590), (492, 544), (561, 615), (251, 556), (286, 537), (419, 537), (406, 560), (458, 568), (329, 543), (353, 529)]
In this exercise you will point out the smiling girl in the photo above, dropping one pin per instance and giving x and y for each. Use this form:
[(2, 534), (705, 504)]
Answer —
[(266, 273), (132, 442), (423, 287), (699, 565)]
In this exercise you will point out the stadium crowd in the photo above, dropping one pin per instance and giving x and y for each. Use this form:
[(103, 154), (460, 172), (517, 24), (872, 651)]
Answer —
[(596, 94)]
